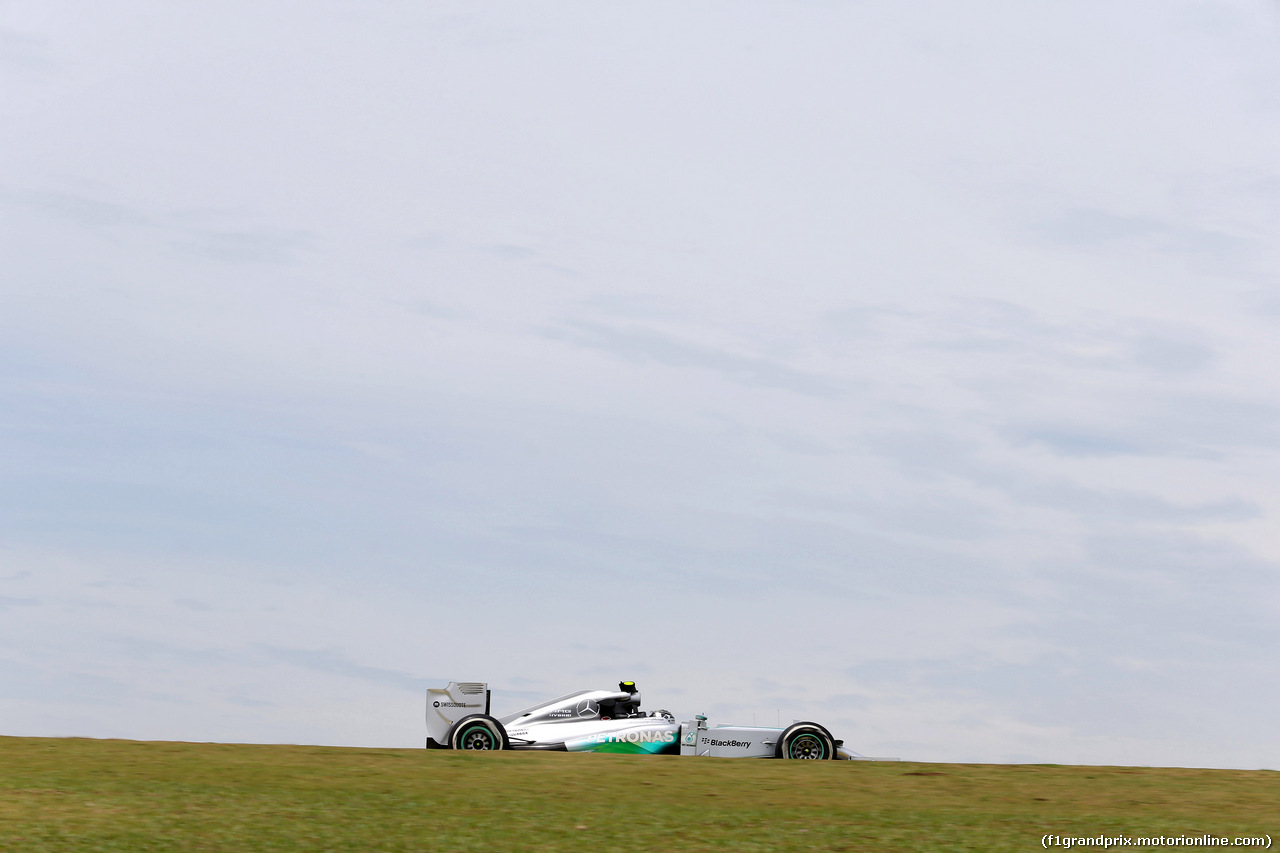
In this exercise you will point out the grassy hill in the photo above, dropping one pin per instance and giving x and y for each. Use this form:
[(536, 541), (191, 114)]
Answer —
[(74, 794)]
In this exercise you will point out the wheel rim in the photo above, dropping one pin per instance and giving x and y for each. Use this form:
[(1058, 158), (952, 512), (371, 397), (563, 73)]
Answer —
[(477, 737), (807, 746)]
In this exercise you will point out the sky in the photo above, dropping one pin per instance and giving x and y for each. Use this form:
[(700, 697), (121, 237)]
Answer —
[(911, 368)]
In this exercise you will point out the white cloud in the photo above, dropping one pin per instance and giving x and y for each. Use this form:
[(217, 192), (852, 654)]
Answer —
[(914, 349)]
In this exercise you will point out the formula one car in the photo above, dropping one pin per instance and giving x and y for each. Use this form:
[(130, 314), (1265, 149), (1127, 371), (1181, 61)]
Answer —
[(609, 721)]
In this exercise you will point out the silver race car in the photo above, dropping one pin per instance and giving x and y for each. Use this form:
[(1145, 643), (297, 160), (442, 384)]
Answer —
[(609, 721)]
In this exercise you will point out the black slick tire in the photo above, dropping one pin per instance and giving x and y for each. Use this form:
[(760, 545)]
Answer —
[(805, 740), (478, 731)]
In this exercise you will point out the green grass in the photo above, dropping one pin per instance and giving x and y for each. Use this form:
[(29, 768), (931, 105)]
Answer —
[(74, 795)]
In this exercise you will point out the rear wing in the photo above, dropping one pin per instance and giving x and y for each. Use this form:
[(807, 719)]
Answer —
[(445, 706)]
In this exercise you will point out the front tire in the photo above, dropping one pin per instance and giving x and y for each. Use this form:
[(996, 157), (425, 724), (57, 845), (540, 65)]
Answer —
[(806, 740), (478, 731)]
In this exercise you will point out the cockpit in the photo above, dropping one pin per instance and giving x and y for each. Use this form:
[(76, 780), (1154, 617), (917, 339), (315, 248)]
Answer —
[(582, 705), (625, 703)]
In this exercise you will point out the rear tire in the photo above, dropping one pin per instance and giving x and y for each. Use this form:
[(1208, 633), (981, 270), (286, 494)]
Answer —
[(806, 740), (478, 731)]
